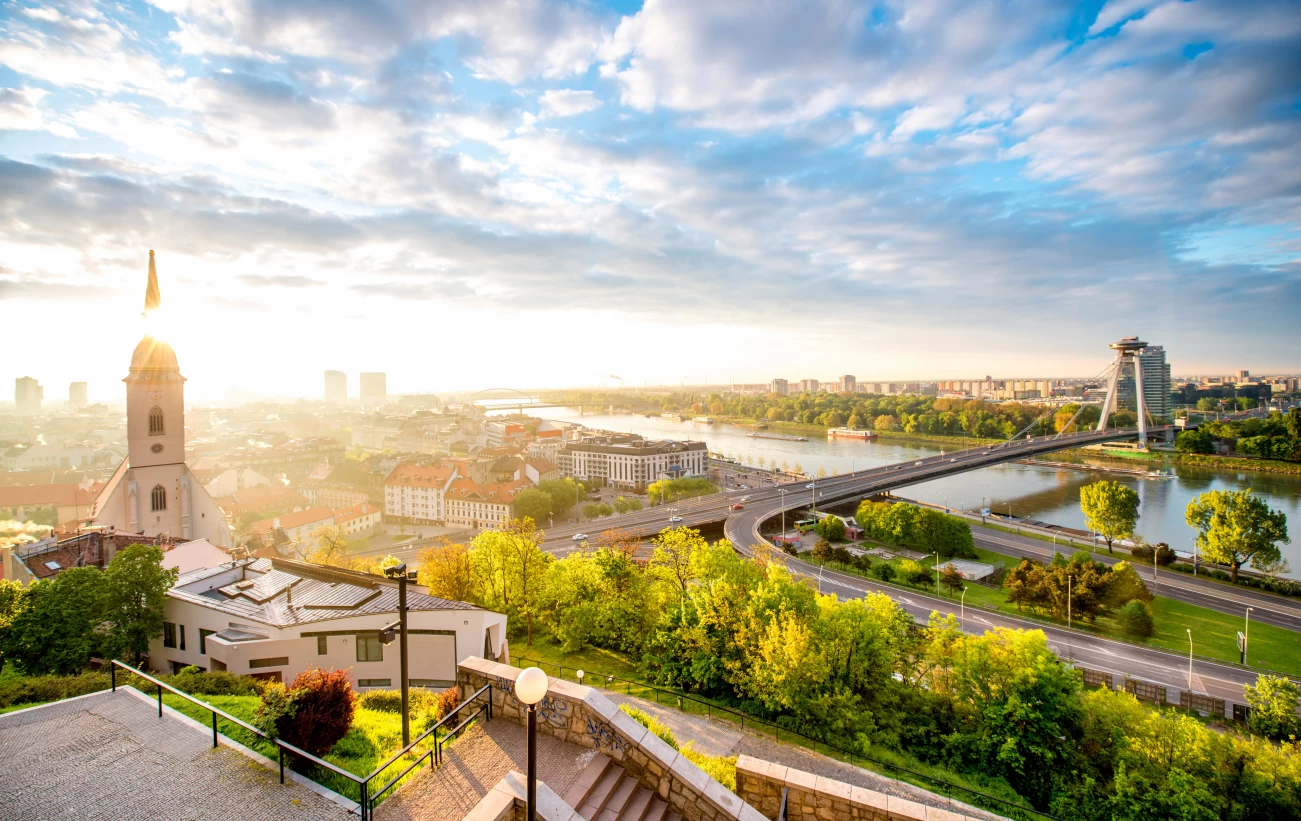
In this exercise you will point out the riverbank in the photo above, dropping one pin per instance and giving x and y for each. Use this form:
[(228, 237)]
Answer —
[(1175, 458), (821, 430)]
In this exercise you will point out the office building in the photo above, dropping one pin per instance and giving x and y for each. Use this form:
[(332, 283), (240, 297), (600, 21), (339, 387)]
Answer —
[(780, 387), (374, 387), (336, 387), (28, 394), (631, 464), (77, 395), (809, 385), (848, 384)]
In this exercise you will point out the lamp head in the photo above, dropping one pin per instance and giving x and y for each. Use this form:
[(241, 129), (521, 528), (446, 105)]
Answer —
[(397, 571), (531, 686)]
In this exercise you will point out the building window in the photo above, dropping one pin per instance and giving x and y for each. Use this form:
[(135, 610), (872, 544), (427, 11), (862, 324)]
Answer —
[(322, 645), (369, 648), (156, 421), (181, 632), (169, 635), (158, 498), (377, 682), (203, 640), (278, 661)]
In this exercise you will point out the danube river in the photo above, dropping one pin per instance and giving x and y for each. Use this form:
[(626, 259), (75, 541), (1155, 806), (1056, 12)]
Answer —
[(1049, 494)]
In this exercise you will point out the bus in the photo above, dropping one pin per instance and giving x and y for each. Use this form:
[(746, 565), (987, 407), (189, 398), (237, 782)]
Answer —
[(805, 525)]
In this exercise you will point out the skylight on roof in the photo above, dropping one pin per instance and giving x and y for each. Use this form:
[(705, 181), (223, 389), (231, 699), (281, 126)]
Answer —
[(53, 565)]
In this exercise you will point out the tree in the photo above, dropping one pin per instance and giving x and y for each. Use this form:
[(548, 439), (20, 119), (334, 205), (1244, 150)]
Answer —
[(673, 559), (11, 600), (328, 545), (1135, 618), (135, 596), (886, 422), (1126, 586), (1110, 509), (54, 628), (831, 528), (1195, 441), (952, 579), (447, 571), (627, 542), (532, 504), (523, 540), (1234, 527), (1273, 701), (564, 494), (323, 704)]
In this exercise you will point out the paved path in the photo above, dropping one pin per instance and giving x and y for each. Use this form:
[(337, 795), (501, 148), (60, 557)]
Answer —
[(474, 764), (109, 756), (716, 737)]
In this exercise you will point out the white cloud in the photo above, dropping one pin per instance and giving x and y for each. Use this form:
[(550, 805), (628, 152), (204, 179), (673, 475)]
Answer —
[(20, 111), (566, 102)]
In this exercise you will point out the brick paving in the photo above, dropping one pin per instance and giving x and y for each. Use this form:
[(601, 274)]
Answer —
[(474, 764), (109, 756), (716, 737)]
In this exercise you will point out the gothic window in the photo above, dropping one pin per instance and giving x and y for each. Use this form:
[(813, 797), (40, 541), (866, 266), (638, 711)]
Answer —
[(158, 498), (156, 421)]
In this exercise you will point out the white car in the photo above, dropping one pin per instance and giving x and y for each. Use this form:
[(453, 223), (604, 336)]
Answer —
[(809, 486), (674, 519), (953, 460), (745, 498), (580, 537), (918, 462)]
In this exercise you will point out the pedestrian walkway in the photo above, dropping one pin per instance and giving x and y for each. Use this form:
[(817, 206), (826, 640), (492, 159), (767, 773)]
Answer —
[(718, 737), (109, 756), (473, 765)]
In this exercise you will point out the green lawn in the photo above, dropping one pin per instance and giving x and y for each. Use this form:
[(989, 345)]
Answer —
[(1214, 633)]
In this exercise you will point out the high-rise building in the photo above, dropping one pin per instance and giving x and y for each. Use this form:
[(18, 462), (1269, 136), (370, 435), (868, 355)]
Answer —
[(374, 387), (77, 395), (336, 387), (1242, 376), (809, 385), (848, 384), (1156, 383), (28, 394), (780, 387)]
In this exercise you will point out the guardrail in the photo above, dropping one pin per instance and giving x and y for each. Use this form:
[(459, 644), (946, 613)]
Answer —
[(367, 798), (685, 702)]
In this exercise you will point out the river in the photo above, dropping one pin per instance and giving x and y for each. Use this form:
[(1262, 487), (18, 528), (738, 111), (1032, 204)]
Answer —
[(1046, 493)]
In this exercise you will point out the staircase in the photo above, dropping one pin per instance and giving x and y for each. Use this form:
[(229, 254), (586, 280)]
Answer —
[(604, 792)]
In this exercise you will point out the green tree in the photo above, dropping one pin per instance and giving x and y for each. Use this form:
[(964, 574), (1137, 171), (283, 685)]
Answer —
[(886, 422), (564, 494), (1110, 509), (54, 630), (673, 560), (11, 601), (1273, 701), (1135, 618), (448, 573), (1234, 527), (135, 595), (952, 579), (831, 528), (1195, 441), (1126, 586), (510, 569), (532, 504)]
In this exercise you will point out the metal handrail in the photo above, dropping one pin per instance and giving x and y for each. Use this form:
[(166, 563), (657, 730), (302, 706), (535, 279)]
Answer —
[(946, 786), (368, 799)]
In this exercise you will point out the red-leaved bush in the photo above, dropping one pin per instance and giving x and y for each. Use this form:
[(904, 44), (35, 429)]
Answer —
[(323, 703)]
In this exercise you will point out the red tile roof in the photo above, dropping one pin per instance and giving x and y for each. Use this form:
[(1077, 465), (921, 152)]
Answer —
[(472, 491), (419, 476), (296, 519), (347, 514), (44, 495)]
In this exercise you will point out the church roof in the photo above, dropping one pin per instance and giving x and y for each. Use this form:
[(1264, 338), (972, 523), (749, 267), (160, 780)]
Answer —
[(152, 357)]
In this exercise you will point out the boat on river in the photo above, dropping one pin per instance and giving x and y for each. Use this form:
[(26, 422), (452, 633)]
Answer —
[(851, 433), (782, 437)]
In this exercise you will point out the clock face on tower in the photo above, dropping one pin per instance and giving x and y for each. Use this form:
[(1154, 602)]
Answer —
[(157, 448), (155, 396)]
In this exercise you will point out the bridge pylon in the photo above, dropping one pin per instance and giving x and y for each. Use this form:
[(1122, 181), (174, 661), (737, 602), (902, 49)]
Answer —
[(1127, 352)]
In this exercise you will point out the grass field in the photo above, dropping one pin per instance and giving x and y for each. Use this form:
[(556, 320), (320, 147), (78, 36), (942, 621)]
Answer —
[(1214, 633)]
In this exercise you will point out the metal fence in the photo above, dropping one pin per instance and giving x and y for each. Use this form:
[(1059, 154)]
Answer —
[(697, 706), (367, 796), (1151, 691)]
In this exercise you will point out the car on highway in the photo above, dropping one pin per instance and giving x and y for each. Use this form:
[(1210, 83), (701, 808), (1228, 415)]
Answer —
[(745, 498), (673, 519), (737, 507), (809, 486), (953, 460), (918, 462), (580, 537)]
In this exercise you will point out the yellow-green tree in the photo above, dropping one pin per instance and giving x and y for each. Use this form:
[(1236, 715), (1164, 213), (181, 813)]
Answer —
[(1234, 527), (447, 571), (1110, 509)]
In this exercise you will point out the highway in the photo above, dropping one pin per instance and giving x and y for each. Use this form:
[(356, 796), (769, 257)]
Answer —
[(760, 505)]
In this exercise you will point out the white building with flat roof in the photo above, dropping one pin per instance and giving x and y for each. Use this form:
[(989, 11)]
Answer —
[(274, 618)]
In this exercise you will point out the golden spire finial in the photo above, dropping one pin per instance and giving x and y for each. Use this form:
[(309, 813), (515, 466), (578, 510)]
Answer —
[(153, 300)]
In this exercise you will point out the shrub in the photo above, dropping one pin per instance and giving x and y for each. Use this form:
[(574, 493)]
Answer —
[(313, 713), (915, 573), (842, 555), (884, 571), (830, 528), (448, 700), (656, 727), (40, 689), (1143, 552), (216, 683), (1135, 618), (720, 768), (1273, 701), (384, 701), (822, 550)]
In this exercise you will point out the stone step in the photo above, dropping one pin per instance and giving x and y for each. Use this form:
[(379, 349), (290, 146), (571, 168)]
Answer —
[(618, 800), (586, 780), (595, 801), (637, 805), (656, 811), (673, 816)]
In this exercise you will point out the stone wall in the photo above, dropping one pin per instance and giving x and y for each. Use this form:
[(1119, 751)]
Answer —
[(812, 797), (581, 715)]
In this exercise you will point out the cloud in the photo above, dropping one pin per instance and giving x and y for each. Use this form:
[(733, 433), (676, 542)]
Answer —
[(567, 102), (20, 111)]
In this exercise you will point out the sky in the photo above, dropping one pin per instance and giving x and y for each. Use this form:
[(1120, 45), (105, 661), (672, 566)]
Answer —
[(473, 194)]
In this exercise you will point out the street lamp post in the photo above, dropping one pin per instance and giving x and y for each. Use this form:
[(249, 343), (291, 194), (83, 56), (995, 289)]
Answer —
[(1190, 659), (782, 491), (531, 688), (962, 611), (399, 628), (1246, 632), (1068, 601)]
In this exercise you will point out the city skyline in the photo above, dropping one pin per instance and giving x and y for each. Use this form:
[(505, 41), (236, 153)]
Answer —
[(607, 190)]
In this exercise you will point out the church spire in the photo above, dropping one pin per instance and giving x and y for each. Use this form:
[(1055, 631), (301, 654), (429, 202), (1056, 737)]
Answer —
[(153, 300)]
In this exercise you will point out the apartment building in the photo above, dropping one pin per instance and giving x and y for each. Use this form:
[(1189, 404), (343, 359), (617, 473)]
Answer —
[(471, 504), (415, 494), (358, 520), (632, 465)]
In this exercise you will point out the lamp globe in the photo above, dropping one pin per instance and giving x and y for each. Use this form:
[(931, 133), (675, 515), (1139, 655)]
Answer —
[(531, 686)]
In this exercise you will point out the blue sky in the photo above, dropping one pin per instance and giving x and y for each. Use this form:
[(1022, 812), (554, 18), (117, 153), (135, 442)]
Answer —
[(526, 193)]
